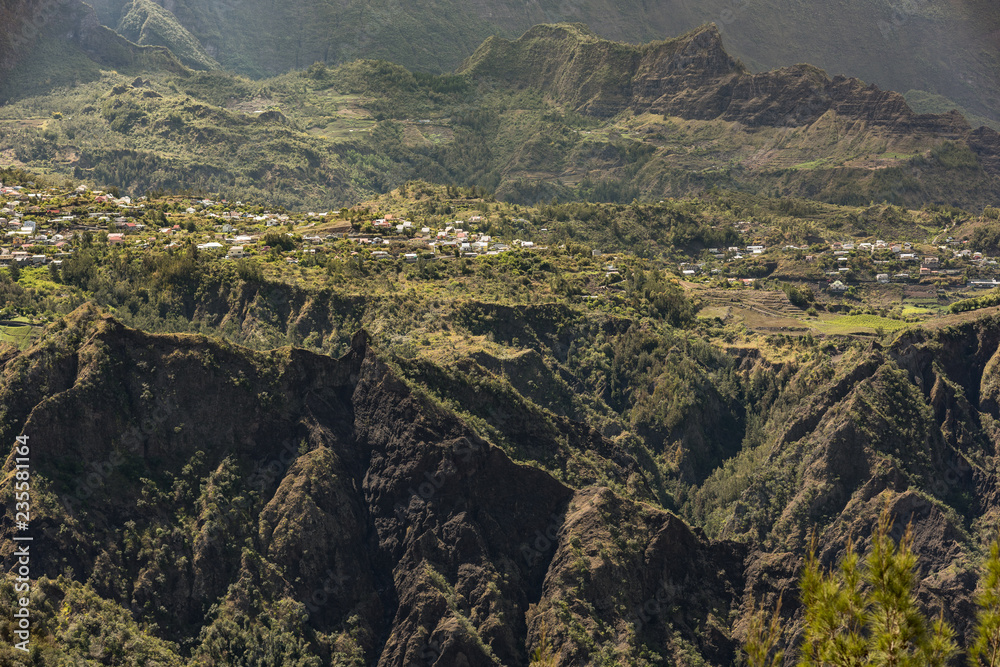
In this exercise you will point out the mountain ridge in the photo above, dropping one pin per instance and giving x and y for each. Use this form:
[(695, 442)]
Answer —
[(469, 555), (378, 471), (67, 47), (691, 76), (558, 113), (943, 50)]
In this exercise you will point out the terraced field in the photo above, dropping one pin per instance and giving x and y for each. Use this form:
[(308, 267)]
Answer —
[(18, 331)]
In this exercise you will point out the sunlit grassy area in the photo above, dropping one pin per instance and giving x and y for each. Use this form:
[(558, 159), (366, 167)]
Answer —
[(847, 324), (21, 336)]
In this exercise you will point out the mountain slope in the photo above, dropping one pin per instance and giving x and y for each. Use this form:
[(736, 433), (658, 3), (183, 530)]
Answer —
[(147, 23), (692, 77), (373, 524), (559, 113), (341, 513), (51, 46), (944, 49)]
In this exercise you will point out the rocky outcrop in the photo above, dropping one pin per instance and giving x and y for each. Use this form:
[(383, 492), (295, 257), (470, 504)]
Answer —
[(985, 142), (330, 485), (693, 77), (207, 488), (28, 24)]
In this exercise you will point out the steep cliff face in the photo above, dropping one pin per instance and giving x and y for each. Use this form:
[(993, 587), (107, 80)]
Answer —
[(944, 49), (910, 428), (62, 42), (200, 485), (692, 77), (316, 508)]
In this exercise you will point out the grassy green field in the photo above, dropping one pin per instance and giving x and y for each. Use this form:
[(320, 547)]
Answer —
[(848, 324), (21, 336)]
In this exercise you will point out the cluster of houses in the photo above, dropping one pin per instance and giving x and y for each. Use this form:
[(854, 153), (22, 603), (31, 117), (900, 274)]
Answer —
[(36, 233), (732, 253), (840, 257), (22, 239), (33, 233), (926, 264), (454, 240)]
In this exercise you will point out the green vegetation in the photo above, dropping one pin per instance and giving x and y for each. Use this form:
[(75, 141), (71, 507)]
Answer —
[(898, 48), (326, 136), (866, 613), (598, 371), (991, 298), (849, 323), (985, 649), (147, 23)]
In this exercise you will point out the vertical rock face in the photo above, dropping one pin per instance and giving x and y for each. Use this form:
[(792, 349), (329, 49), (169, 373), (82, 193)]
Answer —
[(986, 144), (73, 25), (950, 49), (692, 77), (329, 485), (327, 507)]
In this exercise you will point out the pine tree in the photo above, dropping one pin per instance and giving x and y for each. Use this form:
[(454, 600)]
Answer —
[(835, 612), (866, 613), (985, 650), (762, 639)]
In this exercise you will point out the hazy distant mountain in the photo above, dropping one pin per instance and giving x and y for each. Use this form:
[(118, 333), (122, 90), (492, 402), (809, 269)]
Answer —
[(558, 113), (47, 46), (949, 49)]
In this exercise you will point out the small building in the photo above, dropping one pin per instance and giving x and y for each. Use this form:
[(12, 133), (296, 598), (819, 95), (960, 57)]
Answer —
[(882, 278), (115, 239), (838, 287)]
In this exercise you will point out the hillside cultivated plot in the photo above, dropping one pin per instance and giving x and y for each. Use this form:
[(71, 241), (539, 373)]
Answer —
[(848, 324), (20, 335)]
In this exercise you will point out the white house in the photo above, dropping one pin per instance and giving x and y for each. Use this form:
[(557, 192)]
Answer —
[(838, 287)]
